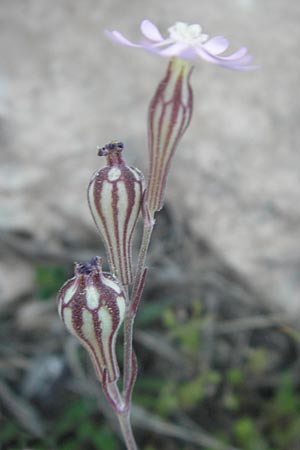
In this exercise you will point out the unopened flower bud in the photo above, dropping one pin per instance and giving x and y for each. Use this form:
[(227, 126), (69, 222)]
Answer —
[(115, 197), (92, 306)]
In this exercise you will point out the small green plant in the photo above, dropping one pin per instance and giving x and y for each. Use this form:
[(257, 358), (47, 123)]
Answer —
[(247, 434), (284, 409), (48, 279), (77, 427)]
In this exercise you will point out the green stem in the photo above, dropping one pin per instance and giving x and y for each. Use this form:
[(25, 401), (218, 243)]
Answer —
[(147, 233), (129, 314), (124, 421), (130, 369), (128, 336)]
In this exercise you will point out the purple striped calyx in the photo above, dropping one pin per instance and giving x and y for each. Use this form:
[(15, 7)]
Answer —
[(92, 307), (169, 115), (115, 196)]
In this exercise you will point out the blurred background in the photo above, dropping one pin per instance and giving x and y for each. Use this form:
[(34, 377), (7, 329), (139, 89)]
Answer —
[(217, 335)]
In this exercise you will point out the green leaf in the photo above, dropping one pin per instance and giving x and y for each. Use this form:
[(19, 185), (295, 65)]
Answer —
[(104, 439), (49, 279), (235, 376), (151, 312)]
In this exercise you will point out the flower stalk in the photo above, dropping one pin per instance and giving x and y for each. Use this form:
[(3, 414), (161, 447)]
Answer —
[(126, 429)]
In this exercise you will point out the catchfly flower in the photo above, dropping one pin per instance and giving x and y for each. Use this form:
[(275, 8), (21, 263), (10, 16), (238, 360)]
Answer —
[(94, 304), (187, 42)]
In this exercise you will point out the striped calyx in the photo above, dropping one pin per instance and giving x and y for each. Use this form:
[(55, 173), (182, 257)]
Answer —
[(169, 115), (115, 196), (92, 307)]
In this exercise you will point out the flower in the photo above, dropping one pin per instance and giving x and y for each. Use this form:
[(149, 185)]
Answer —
[(187, 42)]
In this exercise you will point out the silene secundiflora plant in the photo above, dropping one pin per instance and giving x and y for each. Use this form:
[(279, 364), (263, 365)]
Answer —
[(94, 304)]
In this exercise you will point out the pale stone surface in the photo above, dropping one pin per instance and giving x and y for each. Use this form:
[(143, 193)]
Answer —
[(64, 88), (16, 279)]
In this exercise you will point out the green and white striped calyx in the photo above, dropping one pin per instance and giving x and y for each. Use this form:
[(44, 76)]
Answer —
[(115, 195), (92, 307)]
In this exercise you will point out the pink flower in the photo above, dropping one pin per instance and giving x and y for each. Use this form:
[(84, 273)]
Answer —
[(187, 42)]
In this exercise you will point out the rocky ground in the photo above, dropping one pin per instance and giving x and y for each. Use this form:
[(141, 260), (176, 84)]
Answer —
[(64, 88)]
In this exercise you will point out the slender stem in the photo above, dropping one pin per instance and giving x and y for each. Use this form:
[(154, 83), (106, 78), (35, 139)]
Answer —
[(138, 293), (124, 421), (147, 233), (115, 397), (130, 368), (129, 313), (128, 335)]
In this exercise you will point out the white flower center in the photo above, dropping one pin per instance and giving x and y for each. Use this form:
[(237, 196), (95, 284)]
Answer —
[(187, 34)]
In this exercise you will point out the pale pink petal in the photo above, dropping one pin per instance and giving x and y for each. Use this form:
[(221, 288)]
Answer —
[(172, 50), (178, 49), (216, 45), (150, 31), (210, 50), (241, 64), (244, 60), (238, 63), (236, 55), (188, 53), (120, 39), (206, 56)]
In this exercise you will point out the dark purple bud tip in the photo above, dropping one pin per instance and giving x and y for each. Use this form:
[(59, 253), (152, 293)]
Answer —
[(111, 147), (93, 265), (101, 151)]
